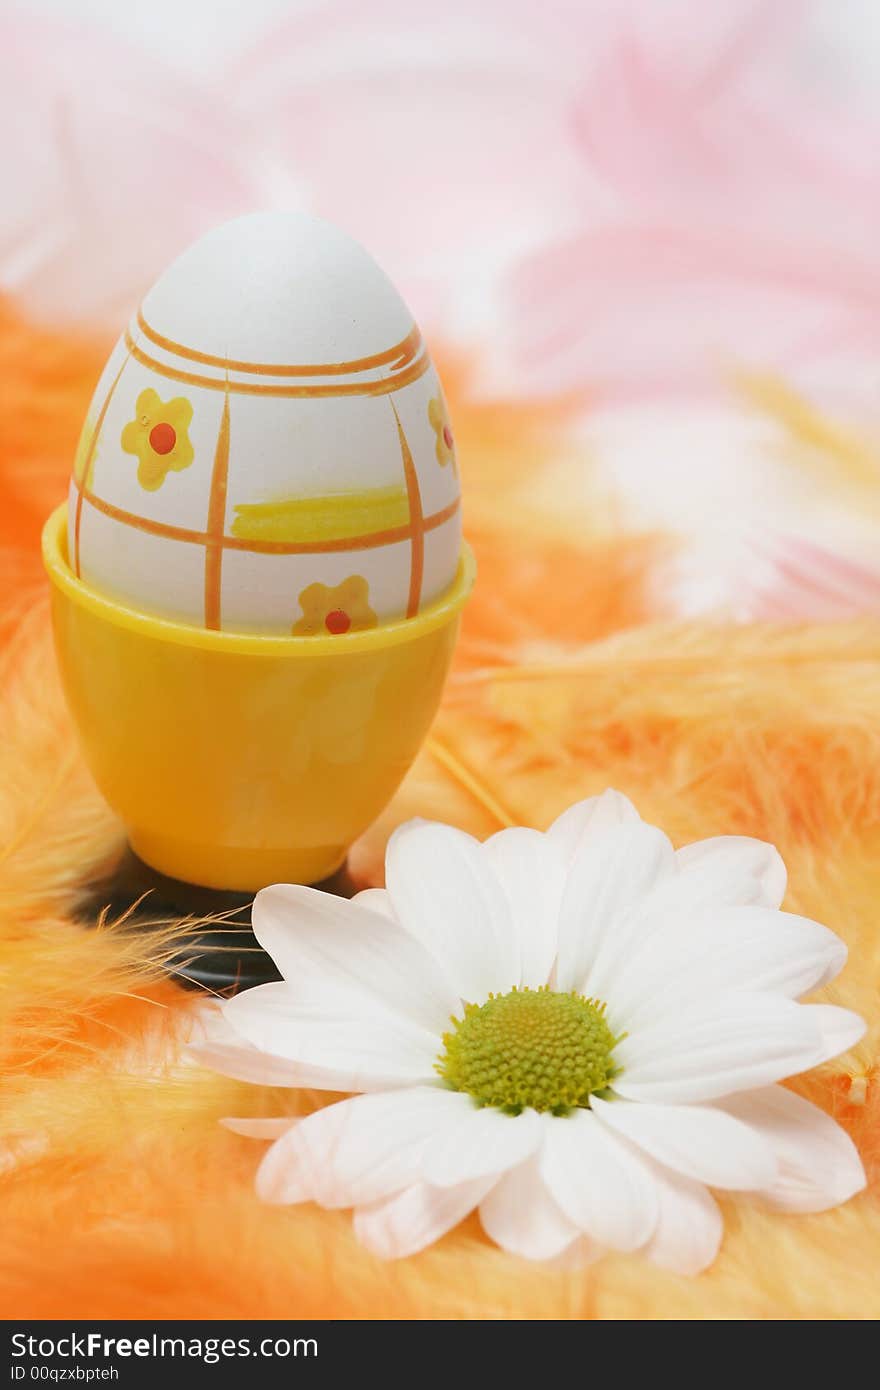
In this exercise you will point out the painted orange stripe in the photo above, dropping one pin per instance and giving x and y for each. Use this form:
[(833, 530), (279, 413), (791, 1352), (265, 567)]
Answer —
[(144, 523), (430, 523), (416, 521), (382, 387), (217, 522), (393, 357), (87, 463), (182, 533)]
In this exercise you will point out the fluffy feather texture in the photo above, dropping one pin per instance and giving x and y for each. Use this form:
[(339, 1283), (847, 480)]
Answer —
[(666, 281), (119, 1185)]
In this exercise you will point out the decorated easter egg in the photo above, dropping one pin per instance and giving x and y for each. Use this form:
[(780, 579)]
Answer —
[(268, 448)]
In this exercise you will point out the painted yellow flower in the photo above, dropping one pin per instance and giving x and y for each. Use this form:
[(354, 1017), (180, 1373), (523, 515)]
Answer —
[(441, 427), (345, 608), (159, 438)]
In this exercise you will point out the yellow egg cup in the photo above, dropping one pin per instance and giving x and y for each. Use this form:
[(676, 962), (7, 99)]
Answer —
[(239, 760)]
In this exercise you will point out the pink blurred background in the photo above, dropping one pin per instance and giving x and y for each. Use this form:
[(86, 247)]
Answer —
[(667, 211)]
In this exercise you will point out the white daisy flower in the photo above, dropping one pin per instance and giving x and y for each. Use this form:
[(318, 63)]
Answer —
[(578, 1033)]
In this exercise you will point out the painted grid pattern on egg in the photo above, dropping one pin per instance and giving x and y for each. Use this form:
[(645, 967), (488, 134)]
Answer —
[(382, 374)]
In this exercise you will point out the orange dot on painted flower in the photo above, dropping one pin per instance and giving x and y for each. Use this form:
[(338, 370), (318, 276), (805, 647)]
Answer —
[(337, 622), (447, 436), (162, 438)]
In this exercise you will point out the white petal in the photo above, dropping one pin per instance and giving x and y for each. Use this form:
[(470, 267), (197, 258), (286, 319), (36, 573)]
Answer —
[(228, 1051), (840, 1030), (755, 949), (819, 1165), (347, 959), (597, 1182), (243, 1062), (357, 1151), (610, 877), (696, 1141), (217, 1045), (587, 819), (718, 1045), (480, 1142), (416, 1217), (520, 1215), (689, 1226), (733, 869), (531, 871), (446, 894), (351, 1054), (261, 1129), (377, 900)]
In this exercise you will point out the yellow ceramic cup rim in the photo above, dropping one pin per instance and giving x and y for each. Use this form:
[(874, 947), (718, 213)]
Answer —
[(435, 615)]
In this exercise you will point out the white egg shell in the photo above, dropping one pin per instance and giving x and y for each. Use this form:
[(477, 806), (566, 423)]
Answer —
[(268, 448)]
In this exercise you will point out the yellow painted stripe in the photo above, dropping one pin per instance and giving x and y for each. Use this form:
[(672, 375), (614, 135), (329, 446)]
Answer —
[(183, 533), (335, 517), (217, 522)]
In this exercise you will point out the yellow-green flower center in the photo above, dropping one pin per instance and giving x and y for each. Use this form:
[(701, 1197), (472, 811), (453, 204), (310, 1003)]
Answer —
[(530, 1049)]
